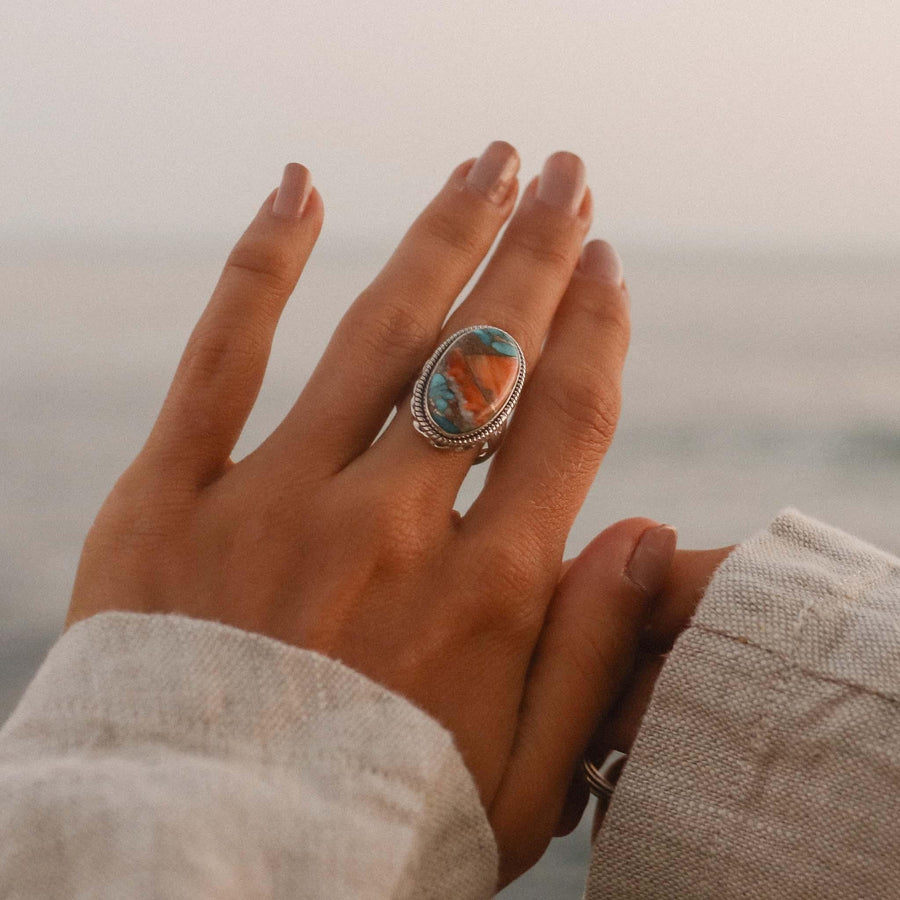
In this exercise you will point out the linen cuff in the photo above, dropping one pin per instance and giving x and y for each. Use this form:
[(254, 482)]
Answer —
[(768, 762), (355, 791)]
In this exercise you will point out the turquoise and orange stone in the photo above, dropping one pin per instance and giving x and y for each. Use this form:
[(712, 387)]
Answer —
[(472, 380)]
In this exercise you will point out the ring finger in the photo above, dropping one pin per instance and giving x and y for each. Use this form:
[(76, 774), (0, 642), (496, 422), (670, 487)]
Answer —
[(518, 292)]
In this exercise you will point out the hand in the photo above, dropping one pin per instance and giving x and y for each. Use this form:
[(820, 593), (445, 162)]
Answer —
[(325, 540), (685, 585)]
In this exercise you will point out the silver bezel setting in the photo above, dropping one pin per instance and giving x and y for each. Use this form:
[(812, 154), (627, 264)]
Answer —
[(488, 436)]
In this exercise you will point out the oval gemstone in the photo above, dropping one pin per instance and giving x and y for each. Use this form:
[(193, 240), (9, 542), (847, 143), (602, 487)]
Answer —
[(472, 380)]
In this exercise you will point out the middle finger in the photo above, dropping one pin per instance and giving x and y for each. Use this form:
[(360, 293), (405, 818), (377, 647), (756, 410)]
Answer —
[(518, 292)]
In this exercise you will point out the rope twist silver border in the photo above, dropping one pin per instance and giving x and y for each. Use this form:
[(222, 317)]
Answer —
[(489, 436)]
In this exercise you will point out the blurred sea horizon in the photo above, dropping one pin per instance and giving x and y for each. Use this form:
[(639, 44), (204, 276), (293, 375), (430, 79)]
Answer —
[(756, 380)]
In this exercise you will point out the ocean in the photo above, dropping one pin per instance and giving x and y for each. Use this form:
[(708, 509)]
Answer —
[(755, 381)]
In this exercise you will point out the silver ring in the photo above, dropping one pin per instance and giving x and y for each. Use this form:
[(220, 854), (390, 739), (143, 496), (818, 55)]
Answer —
[(601, 780), (468, 389)]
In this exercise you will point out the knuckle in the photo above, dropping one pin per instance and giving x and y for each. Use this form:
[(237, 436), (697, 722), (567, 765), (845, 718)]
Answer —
[(453, 232), (510, 571), (614, 322), (205, 356), (549, 248), (260, 528), (269, 264), (505, 604), (396, 329), (400, 540), (217, 349), (587, 410), (606, 309)]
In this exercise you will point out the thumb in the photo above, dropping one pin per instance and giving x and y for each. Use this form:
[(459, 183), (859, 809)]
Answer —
[(582, 659), (687, 580), (686, 583)]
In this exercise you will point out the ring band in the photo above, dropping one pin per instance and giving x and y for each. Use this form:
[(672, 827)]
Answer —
[(468, 389), (601, 780)]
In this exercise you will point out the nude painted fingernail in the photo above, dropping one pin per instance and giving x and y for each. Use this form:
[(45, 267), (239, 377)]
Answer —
[(293, 192), (600, 261), (651, 559), (563, 182), (495, 171)]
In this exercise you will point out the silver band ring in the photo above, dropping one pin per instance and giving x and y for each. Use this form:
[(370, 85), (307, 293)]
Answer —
[(468, 389), (601, 780)]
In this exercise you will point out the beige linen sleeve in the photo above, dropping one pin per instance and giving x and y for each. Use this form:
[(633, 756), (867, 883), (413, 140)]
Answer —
[(768, 764), (156, 756)]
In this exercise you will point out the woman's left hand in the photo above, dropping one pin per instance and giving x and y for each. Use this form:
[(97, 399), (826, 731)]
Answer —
[(325, 540), (687, 580)]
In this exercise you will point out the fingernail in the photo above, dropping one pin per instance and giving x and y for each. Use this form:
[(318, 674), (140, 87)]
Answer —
[(563, 182), (650, 561), (600, 261), (293, 192), (494, 171)]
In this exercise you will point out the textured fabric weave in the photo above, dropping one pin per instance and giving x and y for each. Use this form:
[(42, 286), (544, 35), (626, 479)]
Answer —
[(768, 764), (164, 757)]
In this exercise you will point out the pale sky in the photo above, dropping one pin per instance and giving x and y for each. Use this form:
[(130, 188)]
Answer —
[(724, 121)]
